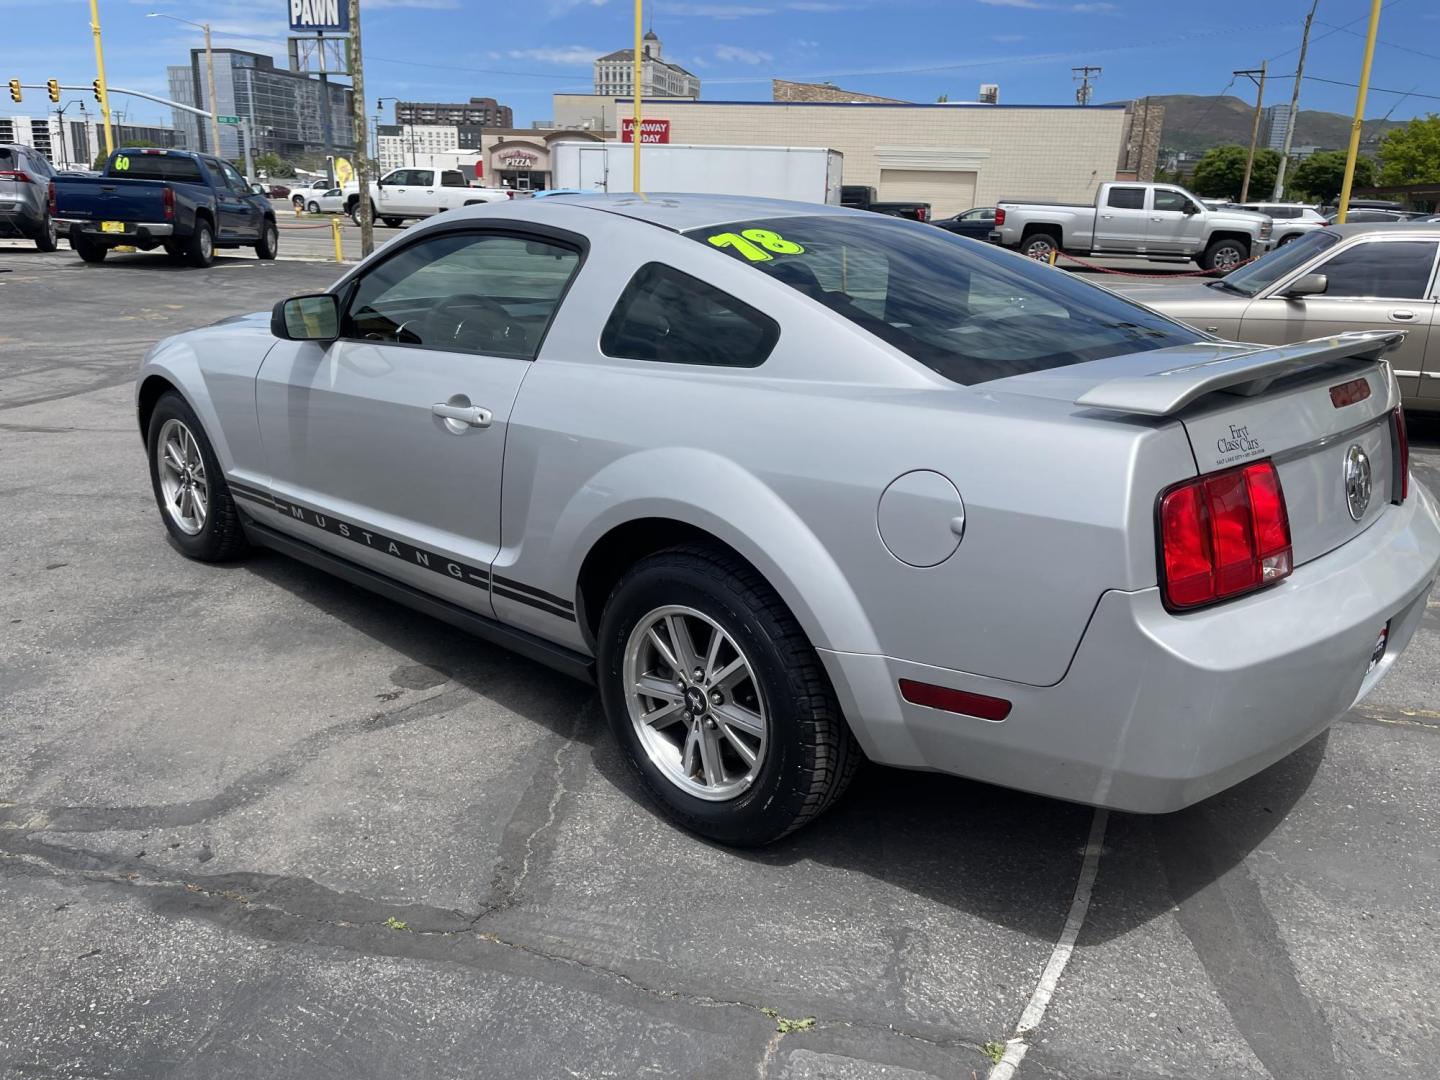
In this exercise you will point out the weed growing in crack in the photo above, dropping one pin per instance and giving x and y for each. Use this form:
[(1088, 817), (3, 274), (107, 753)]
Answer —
[(787, 1024), (395, 924), (994, 1051)]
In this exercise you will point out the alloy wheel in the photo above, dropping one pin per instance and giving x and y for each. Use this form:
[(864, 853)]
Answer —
[(695, 703), (183, 484)]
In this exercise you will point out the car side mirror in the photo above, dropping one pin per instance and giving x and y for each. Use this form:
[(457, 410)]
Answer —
[(1309, 285), (1189, 208), (306, 318)]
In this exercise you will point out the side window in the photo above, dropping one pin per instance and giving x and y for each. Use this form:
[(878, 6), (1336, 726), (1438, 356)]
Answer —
[(984, 214), (422, 177), (672, 317), (400, 178), (452, 178), (1170, 200), (234, 179), (1398, 270), (1126, 198), (469, 292)]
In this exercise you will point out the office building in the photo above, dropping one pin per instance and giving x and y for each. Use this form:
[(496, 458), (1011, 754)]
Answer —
[(615, 73), (1277, 123), (84, 136), (409, 144), (477, 112), (285, 109)]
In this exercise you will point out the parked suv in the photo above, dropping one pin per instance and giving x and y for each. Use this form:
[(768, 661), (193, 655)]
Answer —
[(1292, 220), (24, 196)]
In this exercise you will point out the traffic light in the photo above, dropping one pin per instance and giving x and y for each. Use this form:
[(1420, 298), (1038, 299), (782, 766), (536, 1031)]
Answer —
[(96, 87), (15, 90), (53, 85)]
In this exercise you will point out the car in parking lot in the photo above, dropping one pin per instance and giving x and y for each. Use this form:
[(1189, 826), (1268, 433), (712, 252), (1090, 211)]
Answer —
[(795, 483), (25, 177), (975, 223), (1291, 220), (300, 193), (1344, 277), (326, 202)]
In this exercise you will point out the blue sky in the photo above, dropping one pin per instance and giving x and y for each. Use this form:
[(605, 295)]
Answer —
[(521, 52)]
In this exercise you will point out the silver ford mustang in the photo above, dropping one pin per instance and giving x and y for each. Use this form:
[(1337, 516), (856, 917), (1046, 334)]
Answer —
[(796, 485)]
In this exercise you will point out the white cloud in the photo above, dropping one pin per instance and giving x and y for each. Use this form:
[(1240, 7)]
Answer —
[(559, 54), (428, 5), (735, 54)]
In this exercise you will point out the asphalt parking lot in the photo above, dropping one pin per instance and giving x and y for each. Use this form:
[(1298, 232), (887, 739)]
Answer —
[(256, 823)]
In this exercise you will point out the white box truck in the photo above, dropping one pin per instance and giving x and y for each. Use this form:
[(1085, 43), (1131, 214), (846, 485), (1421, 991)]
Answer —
[(801, 173)]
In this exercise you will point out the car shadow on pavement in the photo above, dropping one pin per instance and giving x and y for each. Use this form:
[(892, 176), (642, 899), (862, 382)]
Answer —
[(1000, 855)]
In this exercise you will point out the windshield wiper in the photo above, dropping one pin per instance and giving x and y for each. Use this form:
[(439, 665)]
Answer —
[(1228, 287)]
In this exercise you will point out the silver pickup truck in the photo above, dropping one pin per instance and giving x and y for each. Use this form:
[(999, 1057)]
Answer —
[(1143, 220)]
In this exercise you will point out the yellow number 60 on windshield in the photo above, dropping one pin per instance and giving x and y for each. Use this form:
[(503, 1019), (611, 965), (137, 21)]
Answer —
[(122, 163)]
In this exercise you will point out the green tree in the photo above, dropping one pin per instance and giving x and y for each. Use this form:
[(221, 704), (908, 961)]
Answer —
[(99, 163), (268, 162), (1320, 175), (1221, 173), (1411, 154)]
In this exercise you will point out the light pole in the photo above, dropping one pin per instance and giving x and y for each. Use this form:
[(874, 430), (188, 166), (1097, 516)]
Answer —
[(380, 104), (209, 72), (64, 149)]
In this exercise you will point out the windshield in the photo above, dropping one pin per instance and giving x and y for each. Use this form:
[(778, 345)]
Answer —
[(964, 309), (1265, 271)]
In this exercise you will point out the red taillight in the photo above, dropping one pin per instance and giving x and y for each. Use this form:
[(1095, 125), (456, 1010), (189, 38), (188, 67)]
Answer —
[(956, 701), (167, 198), (1402, 453), (922, 213), (999, 217), (15, 174), (1223, 535), (50, 198)]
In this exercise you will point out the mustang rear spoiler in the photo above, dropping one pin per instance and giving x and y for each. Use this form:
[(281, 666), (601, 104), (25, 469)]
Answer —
[(1245, 373)]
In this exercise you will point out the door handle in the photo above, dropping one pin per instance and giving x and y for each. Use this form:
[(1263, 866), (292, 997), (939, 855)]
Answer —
[(1157, 219), (1402, 315), (469, 415)]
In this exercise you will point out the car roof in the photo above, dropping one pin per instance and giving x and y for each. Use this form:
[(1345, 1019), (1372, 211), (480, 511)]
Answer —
[(1388, 228), (681, 212)]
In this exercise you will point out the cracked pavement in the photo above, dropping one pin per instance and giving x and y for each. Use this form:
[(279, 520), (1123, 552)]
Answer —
[(224, 789)]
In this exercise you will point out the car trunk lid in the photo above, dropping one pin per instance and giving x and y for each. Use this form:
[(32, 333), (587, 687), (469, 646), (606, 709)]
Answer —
[(1320, 410)]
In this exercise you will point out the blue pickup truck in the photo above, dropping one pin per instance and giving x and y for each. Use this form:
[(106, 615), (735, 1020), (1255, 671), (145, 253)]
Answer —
[(189, 204)]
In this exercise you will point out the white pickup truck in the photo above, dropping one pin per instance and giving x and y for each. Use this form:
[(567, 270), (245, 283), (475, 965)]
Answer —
[(1149, 221), (402, 194)]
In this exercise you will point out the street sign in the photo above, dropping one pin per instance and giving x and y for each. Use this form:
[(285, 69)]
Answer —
[(314, 15), (228, 119)]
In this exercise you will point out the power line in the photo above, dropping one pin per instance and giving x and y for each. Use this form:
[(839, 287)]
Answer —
[(1373, 89), (1336, 30), (1382, 41)]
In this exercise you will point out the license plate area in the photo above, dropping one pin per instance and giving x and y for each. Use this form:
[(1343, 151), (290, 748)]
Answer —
[(112, 226), (1377, 653)]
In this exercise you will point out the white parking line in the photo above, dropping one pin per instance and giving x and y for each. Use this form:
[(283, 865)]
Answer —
[(1018, 1044)]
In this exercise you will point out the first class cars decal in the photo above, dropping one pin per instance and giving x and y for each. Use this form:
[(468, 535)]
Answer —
[(475, 576)]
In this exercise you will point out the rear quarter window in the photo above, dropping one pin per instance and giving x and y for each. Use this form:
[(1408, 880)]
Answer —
[(138, 166), (670, 317)]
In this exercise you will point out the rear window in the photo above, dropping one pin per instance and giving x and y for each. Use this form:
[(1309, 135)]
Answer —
[(669, 316), (134, 165), (967, 311), (1127, 198)]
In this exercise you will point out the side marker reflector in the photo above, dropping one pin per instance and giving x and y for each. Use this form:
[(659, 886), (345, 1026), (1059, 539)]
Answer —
[(955, 701)]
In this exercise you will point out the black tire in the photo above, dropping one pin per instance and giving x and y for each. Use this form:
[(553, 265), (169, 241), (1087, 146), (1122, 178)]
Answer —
[(355, 213), (394, 222), (49, 239), (173, 249), (88, 250), (810, 754), (269, 244), (200, 244), (221, 537), (298, 202), (313, 208), (1039, 245), (1224, 255)]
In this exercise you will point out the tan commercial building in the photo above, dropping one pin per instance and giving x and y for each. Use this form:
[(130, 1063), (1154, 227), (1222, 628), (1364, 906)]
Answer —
[(953, 156)]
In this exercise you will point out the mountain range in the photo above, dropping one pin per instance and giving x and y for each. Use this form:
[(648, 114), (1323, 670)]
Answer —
[(1195, 123)]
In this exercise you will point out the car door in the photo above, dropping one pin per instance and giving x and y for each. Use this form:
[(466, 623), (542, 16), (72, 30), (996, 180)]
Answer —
[(1175, 225), (233, 212), (1121, 220), (423, 197), (385, 446), (1381, 281), (394, 192), (976, 223), (453, 192)]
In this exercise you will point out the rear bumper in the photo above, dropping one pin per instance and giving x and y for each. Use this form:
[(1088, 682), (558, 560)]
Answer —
[(134, 231), (1159, 711), (21, 218)]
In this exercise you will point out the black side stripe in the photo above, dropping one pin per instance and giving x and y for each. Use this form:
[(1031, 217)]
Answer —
[(535, 602), (475, 576), (540, 594)]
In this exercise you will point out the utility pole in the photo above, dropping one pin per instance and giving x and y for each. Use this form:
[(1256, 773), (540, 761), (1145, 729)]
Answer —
[(1083, 74), (357, 102), (635, 97), (1355, 125), (1275, 195), (1258, 78), (100, 88)]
